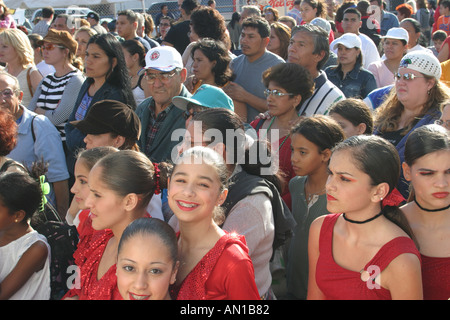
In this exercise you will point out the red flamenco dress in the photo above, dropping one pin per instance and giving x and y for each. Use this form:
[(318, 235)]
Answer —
[(338, 283), (224, 273), (87, 257)]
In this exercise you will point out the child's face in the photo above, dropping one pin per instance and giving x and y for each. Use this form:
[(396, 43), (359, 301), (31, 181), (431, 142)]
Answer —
[(145, 269), (348, 188), (438, 44), (430, 178), (306, 157), (194, 191), (80, 188), (444, 10)]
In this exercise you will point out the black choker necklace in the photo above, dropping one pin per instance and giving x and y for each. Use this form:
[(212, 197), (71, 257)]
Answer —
[(361, 222), (430, 210)]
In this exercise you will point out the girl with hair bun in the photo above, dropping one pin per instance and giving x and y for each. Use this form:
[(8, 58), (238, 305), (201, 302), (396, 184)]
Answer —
[(214, 264), (147, 260), (121, 185), (364, 249), (427, 168)]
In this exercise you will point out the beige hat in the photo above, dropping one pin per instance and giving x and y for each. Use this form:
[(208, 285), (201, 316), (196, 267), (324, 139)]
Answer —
[(60, 37)]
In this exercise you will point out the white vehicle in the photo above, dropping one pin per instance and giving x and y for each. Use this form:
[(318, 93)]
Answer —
[(73, 11)]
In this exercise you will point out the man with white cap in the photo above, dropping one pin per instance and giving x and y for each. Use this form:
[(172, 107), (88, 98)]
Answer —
[(395, 45), (351, 24), (164, 74)]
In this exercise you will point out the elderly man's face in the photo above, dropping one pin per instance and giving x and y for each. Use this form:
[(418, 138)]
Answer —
[(10, 96), (164, 88)]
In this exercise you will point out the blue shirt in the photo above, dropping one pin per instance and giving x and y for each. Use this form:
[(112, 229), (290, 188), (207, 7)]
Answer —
[(47, 146), (357, 83), (389, 21)]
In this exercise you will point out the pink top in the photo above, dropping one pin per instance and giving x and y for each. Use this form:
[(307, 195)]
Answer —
[(338, 283), (436, 278), (8, 22), (383, 76)]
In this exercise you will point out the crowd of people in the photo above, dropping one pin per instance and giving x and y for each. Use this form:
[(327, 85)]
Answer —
[(209, 159)]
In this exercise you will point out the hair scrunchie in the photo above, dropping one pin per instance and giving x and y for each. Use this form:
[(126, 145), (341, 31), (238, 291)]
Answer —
[(157, 186)]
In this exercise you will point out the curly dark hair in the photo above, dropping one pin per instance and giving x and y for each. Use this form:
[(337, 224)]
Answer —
[(291, 77), (215, 50), (208, 23), (8, 132)]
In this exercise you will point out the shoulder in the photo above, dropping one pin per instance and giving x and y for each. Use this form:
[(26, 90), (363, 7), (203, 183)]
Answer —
[(297, 181)]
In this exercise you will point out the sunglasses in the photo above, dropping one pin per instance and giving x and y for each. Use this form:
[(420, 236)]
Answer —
[(276, 93), (406, 76), (51, 46)]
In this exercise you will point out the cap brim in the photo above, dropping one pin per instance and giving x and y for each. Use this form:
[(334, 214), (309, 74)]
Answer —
[(163, 69), (393, 37), (182, 102), (88, 127)]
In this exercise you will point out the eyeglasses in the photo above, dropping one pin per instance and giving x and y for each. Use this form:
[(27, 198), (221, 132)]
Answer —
[(51, 46), (7, 93), (406, 76), (163, 77), (276, 93), (444, 123)]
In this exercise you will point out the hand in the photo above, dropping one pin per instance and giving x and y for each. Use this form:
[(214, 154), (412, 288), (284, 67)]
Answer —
[(235, 91)]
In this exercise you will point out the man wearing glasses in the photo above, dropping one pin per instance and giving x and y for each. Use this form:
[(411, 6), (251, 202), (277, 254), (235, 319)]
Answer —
[(165, 74), (37, 139)]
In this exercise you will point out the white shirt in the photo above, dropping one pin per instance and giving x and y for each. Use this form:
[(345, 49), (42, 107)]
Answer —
[(38, 285)]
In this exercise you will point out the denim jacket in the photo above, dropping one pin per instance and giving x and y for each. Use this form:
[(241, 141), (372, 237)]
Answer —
[(358, 83)]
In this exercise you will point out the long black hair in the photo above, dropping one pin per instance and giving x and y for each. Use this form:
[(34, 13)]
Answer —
[(117, 75)]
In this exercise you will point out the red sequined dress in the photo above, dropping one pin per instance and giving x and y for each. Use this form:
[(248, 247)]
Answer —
[(87, 257), (224, 273), (338, 283)]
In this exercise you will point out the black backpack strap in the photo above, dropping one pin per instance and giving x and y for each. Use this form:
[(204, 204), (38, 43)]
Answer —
[(8, 163), (32, 129)]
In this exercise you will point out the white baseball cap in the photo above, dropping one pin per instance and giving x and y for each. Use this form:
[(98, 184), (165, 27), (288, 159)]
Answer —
[(163, 58), (321, 22), (348, 40), (423, 62), (397, 33)]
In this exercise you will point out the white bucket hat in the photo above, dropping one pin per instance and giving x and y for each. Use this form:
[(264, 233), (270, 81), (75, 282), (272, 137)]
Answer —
[(423, 62)]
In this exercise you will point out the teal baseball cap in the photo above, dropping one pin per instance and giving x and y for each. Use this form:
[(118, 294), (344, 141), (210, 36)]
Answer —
[(206, 96)]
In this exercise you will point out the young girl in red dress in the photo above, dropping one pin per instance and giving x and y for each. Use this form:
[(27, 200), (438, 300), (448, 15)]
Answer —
[(427, 167), (214, 264), (121, 186), (363, 249), (147, 260), (86, 159)]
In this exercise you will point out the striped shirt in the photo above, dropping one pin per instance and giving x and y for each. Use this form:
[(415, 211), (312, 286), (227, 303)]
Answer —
[(52, 90)]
